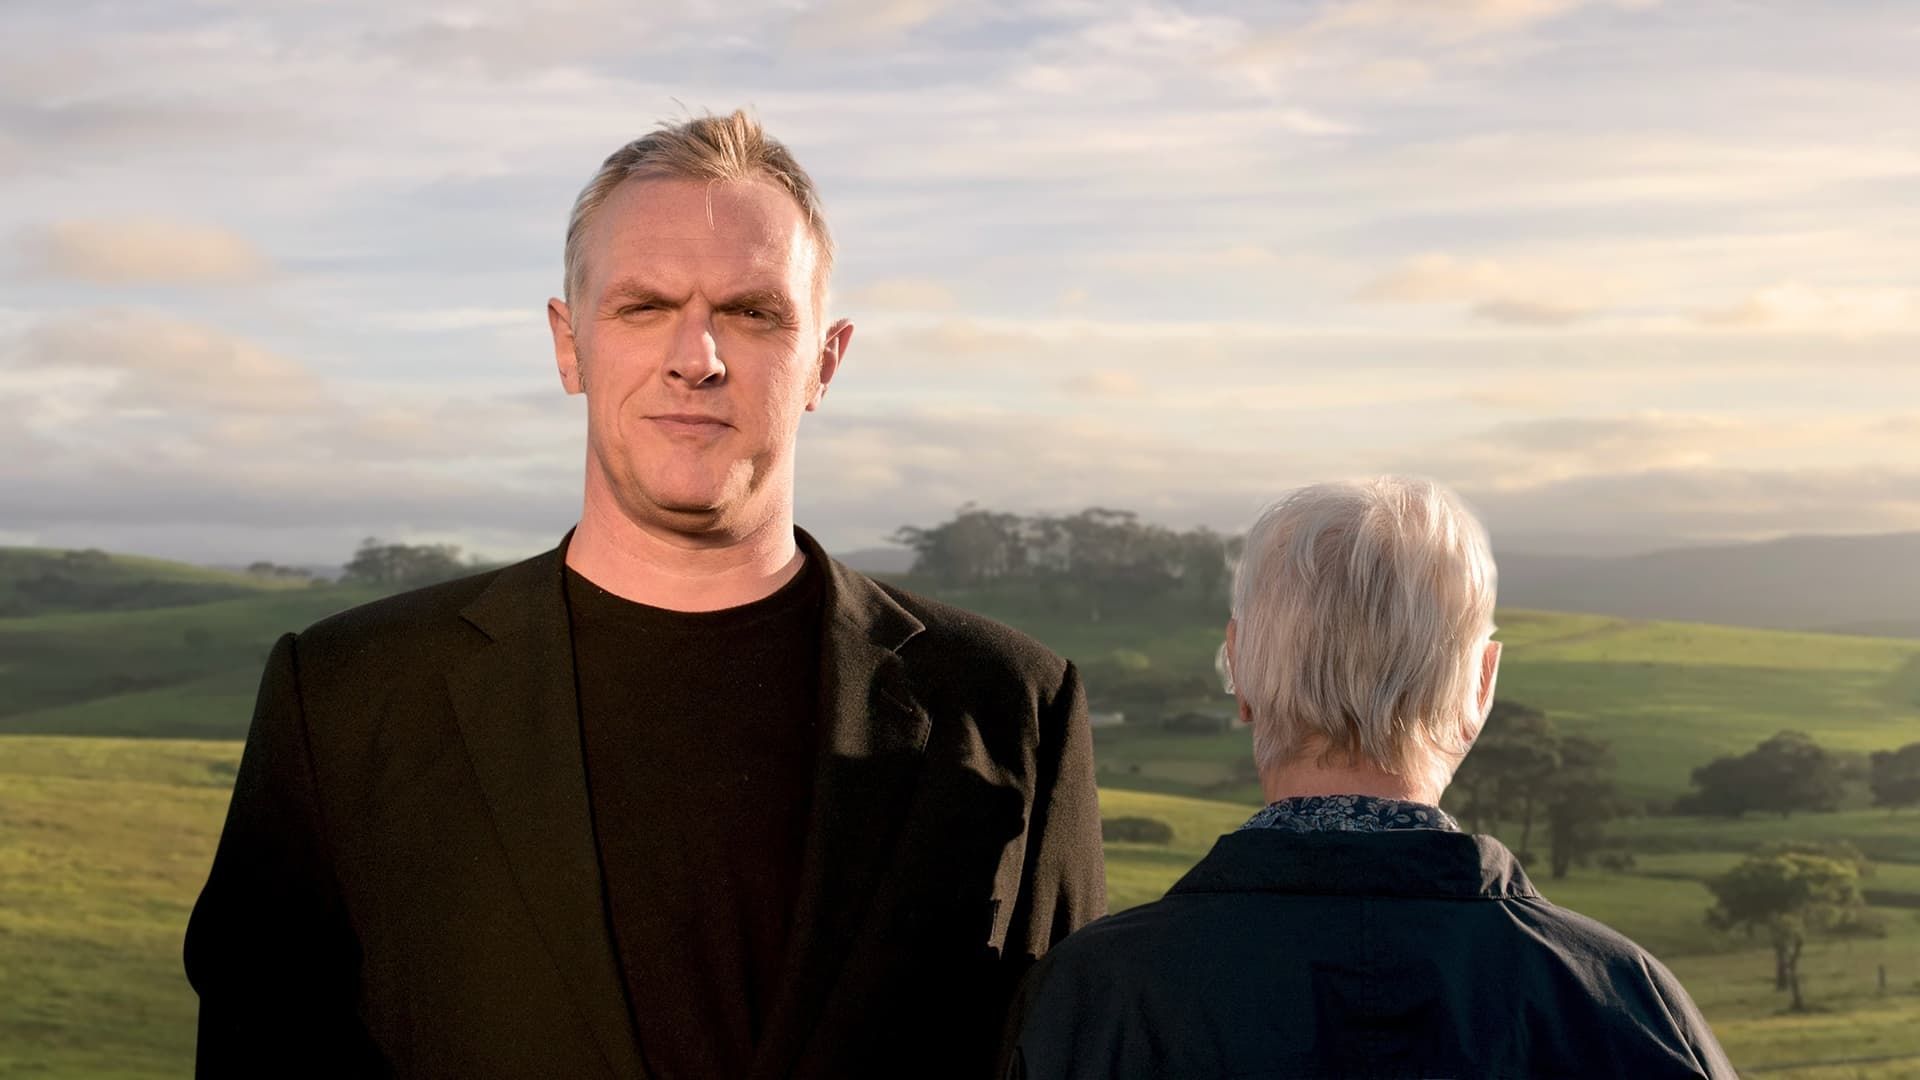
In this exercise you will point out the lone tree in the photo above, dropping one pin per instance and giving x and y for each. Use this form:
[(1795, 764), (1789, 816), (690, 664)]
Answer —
[(1785, 773), (1894, 776), (1522, 770), (1787, 894), (1581, 799), (1509, 774)]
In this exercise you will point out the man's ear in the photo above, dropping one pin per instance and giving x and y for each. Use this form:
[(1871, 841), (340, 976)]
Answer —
[(566, 356), (832, 351)]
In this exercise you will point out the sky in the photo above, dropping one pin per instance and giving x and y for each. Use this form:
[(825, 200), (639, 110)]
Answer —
[(1625, 273)]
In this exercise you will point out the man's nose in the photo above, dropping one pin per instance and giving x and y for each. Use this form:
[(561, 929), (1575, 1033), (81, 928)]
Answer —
[(695, 357)]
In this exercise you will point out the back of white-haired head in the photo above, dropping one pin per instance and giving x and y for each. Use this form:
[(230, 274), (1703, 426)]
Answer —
[(1361, 609)]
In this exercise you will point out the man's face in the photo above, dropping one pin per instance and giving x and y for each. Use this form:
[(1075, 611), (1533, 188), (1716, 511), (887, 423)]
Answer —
[(698, 341)]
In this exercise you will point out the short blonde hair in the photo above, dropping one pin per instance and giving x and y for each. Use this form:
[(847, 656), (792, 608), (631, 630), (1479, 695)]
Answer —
[(725, 148), (1360, 611)]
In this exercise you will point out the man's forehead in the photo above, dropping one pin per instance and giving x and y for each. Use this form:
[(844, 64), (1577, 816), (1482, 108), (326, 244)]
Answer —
[(747, 221)]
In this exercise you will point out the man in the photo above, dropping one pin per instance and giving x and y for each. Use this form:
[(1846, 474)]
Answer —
[(1350, 929), (683, 797)]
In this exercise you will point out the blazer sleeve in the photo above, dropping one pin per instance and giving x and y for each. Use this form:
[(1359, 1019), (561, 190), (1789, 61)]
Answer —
[(268, 948), (1064, 885)]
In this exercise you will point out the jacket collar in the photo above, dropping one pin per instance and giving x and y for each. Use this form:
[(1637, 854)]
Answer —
[(873, 740), (518, 709), (1427, 863)]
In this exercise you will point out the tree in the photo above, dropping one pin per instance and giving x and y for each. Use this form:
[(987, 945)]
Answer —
[(403, 566), (1509, 774), (1582, 798), (1785, 773), (1894, 776), (1795, 773), (1786, 894)]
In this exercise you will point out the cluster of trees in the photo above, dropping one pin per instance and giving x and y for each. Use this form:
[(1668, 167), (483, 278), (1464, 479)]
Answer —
[(1790, 772), (1894, 776), (1102, 560), (266, 569), (1523, 771), (1788, 892), (405, 566)]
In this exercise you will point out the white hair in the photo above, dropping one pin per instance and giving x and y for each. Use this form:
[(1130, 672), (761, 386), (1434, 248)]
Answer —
[(1361, 609)]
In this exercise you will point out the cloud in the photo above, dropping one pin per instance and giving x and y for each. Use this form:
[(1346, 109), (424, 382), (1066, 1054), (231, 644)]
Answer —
[(900, 294), (155, 361), (141, 251), (1495, 291), (839, 22), (442, 320), (1845, 312), (1104, 384), (1711, 503)]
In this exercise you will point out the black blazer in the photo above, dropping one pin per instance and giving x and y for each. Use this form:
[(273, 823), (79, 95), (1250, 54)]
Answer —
[(1415, 953), (407, 882)]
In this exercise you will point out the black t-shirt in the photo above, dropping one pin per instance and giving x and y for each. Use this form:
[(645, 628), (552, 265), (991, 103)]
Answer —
[(700, 731)]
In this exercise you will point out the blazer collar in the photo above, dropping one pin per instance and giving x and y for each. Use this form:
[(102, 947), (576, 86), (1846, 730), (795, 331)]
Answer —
[(518, 709), (1405, 863), (873, 739)]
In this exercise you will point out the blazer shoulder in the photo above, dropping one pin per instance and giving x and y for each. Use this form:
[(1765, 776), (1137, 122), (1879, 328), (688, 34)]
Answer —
[(975, 640), (404, 623)]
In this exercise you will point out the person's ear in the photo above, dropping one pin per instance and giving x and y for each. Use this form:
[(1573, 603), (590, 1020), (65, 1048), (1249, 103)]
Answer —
[(832, 351), (566, 355), (1483, 700), (1489, 674), (1227, 666)]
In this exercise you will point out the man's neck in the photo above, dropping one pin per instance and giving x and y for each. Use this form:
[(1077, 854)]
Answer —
[(660, 568), (1306, 776)]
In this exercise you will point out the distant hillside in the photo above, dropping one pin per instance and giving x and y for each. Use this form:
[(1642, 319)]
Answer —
[(1841, 584), (39, 581), (880, 560)]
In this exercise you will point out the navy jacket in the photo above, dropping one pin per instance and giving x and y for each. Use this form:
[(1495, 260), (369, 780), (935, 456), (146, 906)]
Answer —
[(1417, 953)]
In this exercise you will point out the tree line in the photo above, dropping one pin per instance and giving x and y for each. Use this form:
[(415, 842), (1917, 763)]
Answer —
[(1100, 560), (1790, 772)]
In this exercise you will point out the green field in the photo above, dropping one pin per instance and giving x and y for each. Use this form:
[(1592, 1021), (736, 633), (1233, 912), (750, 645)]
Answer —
[(104, 841), (1668, 696)]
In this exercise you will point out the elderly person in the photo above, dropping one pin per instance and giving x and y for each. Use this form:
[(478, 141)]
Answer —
[(1350, 928)]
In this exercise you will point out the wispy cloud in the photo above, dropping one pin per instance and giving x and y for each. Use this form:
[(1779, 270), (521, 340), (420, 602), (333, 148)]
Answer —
[(276, 274), (140, 251)]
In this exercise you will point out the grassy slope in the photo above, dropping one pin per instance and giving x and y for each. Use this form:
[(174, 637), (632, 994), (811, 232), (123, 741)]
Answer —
[(1669, 696), (105, 842), (114, 582), (166, 671), (103, 845)]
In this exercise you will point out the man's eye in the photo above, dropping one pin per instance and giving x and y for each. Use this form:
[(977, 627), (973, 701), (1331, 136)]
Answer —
[(754, 313)]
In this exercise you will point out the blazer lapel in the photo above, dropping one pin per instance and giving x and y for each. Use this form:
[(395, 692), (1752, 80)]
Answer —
[(873, 740), (518, 712)]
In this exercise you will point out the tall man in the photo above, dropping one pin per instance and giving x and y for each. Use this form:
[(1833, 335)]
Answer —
[(683, 797)]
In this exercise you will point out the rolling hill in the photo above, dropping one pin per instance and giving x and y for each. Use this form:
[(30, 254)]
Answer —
[(37, 581), (1844, 584)]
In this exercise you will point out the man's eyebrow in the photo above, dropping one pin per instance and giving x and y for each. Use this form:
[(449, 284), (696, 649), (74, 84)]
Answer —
[(771, 300), (631, 291)]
